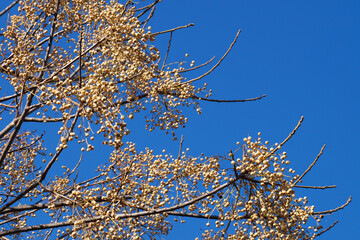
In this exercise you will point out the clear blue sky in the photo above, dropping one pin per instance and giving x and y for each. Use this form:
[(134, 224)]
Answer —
[(305, 56)]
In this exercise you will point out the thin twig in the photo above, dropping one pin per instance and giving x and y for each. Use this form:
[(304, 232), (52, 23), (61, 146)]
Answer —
[(193, 215), (233, 210), (180, 148), (288, 138), (333, 210), (151, 14), (173, 29), (51, 38), (28, 145), (327, 229), (167, 51), (218, 63), (147, 7), (39, 206), (75, 59), (194, 68), (230, 101), (18, 216), (315, 187), (6, 106), (80, 53), (311, 165), (77, 165)]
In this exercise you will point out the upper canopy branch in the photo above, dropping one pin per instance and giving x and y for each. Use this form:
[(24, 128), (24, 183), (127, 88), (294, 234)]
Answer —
[(218, 63)]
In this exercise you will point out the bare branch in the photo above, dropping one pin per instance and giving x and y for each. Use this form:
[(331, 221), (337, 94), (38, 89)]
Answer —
[(151, 14), (32, 119), (311, 165), (147, 8), (51, 38), (167, 51), (180, 148), (288, 138), (197, 67), (218, 63), (315, 187), (19, 120), (17, 217), (230, 101), (193, 215), (327, 229), (9, 7), (173, 29), (6, 98), (333, 210)]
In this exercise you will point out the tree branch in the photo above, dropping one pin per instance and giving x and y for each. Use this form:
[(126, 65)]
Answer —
[(327, 229), (290, 136), (333, 210), (194, 68), (315, 187), (173, 29), (230, 101), (8, 7), (311, 165), (46, 170), (119, 216), (218, 63)]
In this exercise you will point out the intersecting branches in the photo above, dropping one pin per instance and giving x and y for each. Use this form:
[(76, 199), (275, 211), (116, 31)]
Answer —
[(86, 68)]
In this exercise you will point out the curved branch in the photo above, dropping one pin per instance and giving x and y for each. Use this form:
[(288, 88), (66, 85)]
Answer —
[(218, 63), (288, 137), (194, 68), (230, 101), (333, 210), (311, 165)]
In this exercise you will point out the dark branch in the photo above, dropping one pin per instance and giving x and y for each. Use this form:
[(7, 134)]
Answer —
[(8, 7), (229, 101)]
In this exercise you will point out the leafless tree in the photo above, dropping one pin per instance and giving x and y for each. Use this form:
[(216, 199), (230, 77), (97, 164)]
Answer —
[(85, 68)]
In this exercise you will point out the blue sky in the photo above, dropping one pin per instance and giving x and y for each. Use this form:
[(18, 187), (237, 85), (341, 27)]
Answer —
[(305, 56)]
